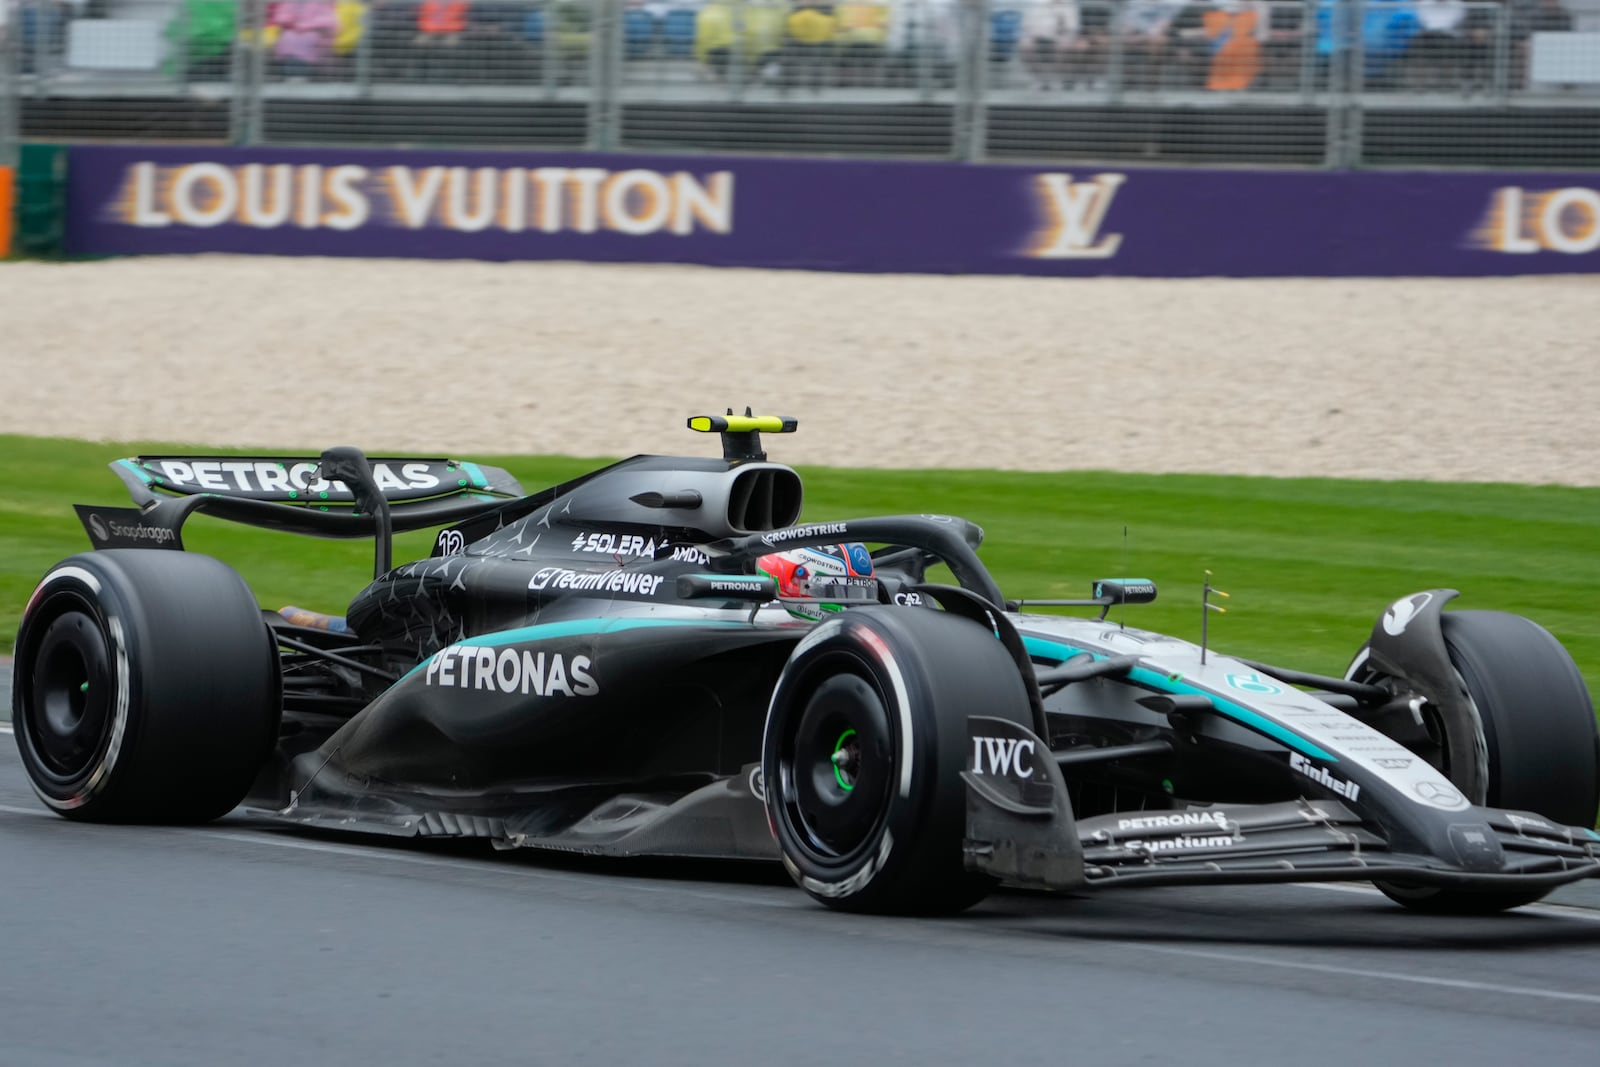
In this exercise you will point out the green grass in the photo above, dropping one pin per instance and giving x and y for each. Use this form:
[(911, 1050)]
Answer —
[(1310, 563)]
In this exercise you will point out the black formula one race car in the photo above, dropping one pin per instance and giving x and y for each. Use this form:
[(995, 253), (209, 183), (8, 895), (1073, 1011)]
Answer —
[(655, 659)]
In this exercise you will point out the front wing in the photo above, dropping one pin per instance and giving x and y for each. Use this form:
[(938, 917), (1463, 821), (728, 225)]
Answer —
[(1020, 828)]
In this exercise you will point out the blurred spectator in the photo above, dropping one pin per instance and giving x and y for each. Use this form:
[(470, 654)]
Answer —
[(861, 34), (1483, 24), (749, 34), (641, 27), (351, 16), (1188, 59), (923, 41), (1054, 48), (1235, 30), (41, 29), (498, 50), (1386, 29), (306, 29), (808, 45), (202, 35), (678, 30), (440, 27), (1005, 28), (1435, 57), (714, 37), (1096, 18), (1146, 30), (571, 22), (1289, 34), (267, 39), (762, 39)]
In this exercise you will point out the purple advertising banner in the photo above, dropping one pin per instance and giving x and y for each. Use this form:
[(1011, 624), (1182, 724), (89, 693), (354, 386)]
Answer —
[(828, 214)]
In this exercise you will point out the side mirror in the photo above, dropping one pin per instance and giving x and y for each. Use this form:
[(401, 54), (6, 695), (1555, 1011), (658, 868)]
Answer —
[(1111, 591)]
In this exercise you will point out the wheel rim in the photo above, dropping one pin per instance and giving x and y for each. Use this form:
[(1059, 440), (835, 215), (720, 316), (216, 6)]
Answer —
[(1435, 749), (847, 759), (1429, 739), (836, 768), (68, 719)]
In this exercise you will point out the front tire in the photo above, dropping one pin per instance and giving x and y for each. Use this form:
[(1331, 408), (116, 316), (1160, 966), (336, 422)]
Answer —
[(1538, 720), (1533, 744), (865, 743), (146, 688)]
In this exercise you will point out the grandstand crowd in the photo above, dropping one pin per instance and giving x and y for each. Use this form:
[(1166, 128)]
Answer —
[(808, 45)]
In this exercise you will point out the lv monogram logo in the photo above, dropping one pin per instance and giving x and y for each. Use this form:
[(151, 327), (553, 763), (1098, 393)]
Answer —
[(1075, 211)]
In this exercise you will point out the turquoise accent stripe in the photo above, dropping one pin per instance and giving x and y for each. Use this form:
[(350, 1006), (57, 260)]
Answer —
[(476, 474), (578, 627), (572, 628), (135, 468), (1038, 646), (754, 578)]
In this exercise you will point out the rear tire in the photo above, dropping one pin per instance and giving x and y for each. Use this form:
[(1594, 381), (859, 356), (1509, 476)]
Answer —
[(146, 688), (1534, 746), (865, 743)]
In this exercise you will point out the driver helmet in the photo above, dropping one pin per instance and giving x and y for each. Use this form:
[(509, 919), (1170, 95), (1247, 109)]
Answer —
[(815, 581)]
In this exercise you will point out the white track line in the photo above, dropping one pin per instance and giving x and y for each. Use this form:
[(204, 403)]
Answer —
[(1555, 911), (1361, 972), (5, 728)]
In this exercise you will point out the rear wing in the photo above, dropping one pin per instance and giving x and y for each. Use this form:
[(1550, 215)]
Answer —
[(342, 493)]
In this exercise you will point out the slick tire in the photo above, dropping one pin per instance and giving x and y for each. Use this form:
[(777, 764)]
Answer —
[(1538, 731), (146, 688), (866, 739)]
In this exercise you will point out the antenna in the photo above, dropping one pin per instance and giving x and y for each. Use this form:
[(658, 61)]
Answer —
[(1122, 619), (1206, 608)]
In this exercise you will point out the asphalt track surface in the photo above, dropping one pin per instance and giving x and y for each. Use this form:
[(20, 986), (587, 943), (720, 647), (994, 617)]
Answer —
[(244, 944)]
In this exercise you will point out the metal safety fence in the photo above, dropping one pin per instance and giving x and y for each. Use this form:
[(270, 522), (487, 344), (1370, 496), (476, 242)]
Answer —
[(10, 47), (1311, 82)]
